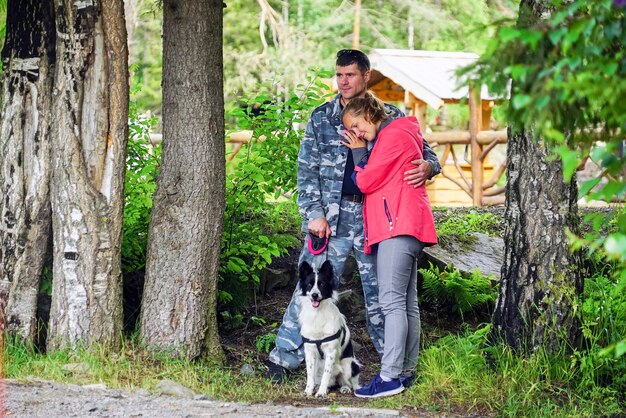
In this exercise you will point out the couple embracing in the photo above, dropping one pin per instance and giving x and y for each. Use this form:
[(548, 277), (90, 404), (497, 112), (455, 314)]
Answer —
[(362, 169)]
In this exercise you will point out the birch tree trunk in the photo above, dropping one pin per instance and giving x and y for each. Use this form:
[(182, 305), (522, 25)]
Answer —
[(179, 299), (540, 277), (90, 105), (25, 228)]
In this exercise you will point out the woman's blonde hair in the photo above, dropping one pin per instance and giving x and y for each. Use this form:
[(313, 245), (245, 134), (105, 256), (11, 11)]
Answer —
[(368, 106)]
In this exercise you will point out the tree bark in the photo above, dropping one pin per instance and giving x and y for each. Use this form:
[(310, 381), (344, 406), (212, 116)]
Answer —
[(180, 294), (541, 279), (89, 153), (28, 59)]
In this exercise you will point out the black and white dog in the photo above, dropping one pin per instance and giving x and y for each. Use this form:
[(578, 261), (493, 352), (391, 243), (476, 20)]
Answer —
[(328, 352)]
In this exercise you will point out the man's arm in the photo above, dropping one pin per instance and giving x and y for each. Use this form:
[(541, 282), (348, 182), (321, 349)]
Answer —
[(425, 168), (309, 188), (432, 159)]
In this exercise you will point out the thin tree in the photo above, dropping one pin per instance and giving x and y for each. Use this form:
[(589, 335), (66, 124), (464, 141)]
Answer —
[(90, 132), (180, 293), (541, 278), (28, 59)]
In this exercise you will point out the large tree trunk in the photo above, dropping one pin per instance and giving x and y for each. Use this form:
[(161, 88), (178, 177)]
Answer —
[(89, 154), (179, 299), (28, 58), (541, 279)]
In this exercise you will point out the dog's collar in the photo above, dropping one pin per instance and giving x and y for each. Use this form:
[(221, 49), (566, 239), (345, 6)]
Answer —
[(340, 333)]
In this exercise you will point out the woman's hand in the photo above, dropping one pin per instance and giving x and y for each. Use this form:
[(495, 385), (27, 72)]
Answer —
[(352, 141)]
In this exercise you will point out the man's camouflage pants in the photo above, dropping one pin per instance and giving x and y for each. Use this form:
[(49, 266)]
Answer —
[(289, 351)]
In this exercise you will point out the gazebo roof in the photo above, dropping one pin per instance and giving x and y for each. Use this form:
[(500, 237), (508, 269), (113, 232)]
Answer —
[(428, 75)]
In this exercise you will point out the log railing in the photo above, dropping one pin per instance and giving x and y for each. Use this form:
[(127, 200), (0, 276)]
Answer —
[(480, 143), (482, 192)]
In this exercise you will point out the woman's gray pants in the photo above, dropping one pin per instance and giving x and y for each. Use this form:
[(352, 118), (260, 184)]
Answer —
[(397, 294)]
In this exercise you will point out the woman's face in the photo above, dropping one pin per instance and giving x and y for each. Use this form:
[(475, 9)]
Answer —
[(360, 127)]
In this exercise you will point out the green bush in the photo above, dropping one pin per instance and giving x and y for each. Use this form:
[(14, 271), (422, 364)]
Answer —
[(261, 215), (603, 319), (142, 163), (265, 342)]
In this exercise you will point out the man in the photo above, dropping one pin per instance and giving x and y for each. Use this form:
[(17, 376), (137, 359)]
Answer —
[(331, 206)]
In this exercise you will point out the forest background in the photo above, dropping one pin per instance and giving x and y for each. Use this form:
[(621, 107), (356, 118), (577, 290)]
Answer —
[(276, 43)]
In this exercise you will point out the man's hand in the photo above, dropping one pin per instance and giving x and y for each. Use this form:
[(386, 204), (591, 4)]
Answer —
[(418, 175), (319, 227)]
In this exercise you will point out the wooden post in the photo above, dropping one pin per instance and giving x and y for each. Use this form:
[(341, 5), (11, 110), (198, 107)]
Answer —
[(486, 106), (356, 30), (419, 111), (475, 119)]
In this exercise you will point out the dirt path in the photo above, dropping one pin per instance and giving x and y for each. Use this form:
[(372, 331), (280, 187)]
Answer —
[(45, 399)]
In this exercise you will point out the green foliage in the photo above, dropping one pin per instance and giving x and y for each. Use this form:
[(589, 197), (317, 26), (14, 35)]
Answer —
[(461, 223), (45, 287), (299, 34), (449, 289), (146, 55), (603, 318), (468, 373), (265, 342), (258, 214), (568, 79), (142, 164)]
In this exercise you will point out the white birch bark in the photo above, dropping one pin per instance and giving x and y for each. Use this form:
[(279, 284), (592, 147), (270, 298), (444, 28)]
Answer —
[(90, 104), (27, 59)]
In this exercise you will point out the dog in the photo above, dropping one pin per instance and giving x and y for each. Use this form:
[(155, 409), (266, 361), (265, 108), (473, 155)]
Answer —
[(328, 351)]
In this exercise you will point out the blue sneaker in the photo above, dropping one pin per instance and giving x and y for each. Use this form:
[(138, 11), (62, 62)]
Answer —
[(378, 388)]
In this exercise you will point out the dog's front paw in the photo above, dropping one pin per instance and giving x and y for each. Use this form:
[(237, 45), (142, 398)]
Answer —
[(307, 392), (345, 389), (321, 395)]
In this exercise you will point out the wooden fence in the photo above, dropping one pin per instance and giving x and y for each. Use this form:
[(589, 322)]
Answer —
[(468, 175)]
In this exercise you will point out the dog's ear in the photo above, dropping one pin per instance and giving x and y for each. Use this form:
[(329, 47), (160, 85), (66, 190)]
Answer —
[(327, 269), (305, 269)]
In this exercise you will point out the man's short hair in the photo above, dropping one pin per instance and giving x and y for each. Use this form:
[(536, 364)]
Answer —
[(347, 57)]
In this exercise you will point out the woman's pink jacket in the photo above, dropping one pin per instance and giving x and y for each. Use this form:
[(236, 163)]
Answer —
[(392, 207)]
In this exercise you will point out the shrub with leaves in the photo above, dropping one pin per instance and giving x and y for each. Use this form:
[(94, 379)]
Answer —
[(603, 319), (260, 188), (449, 289), (142, 165)]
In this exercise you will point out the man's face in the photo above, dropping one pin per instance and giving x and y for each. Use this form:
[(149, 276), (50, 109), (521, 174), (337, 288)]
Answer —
[(351, 81)]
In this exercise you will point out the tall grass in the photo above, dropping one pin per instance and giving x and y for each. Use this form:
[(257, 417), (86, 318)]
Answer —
[(464, 373), (130, 368)]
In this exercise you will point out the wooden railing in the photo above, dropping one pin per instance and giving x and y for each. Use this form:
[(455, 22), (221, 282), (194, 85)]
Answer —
[(481, 192), (480, 142)]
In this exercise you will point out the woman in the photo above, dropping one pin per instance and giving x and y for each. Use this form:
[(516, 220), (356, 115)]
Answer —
[(399, 221)]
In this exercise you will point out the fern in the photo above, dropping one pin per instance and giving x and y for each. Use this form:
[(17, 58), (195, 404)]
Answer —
[(432, 286), (450, 289), (265, 342)]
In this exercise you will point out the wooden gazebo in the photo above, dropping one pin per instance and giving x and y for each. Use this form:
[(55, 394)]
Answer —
[(428, 78)]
